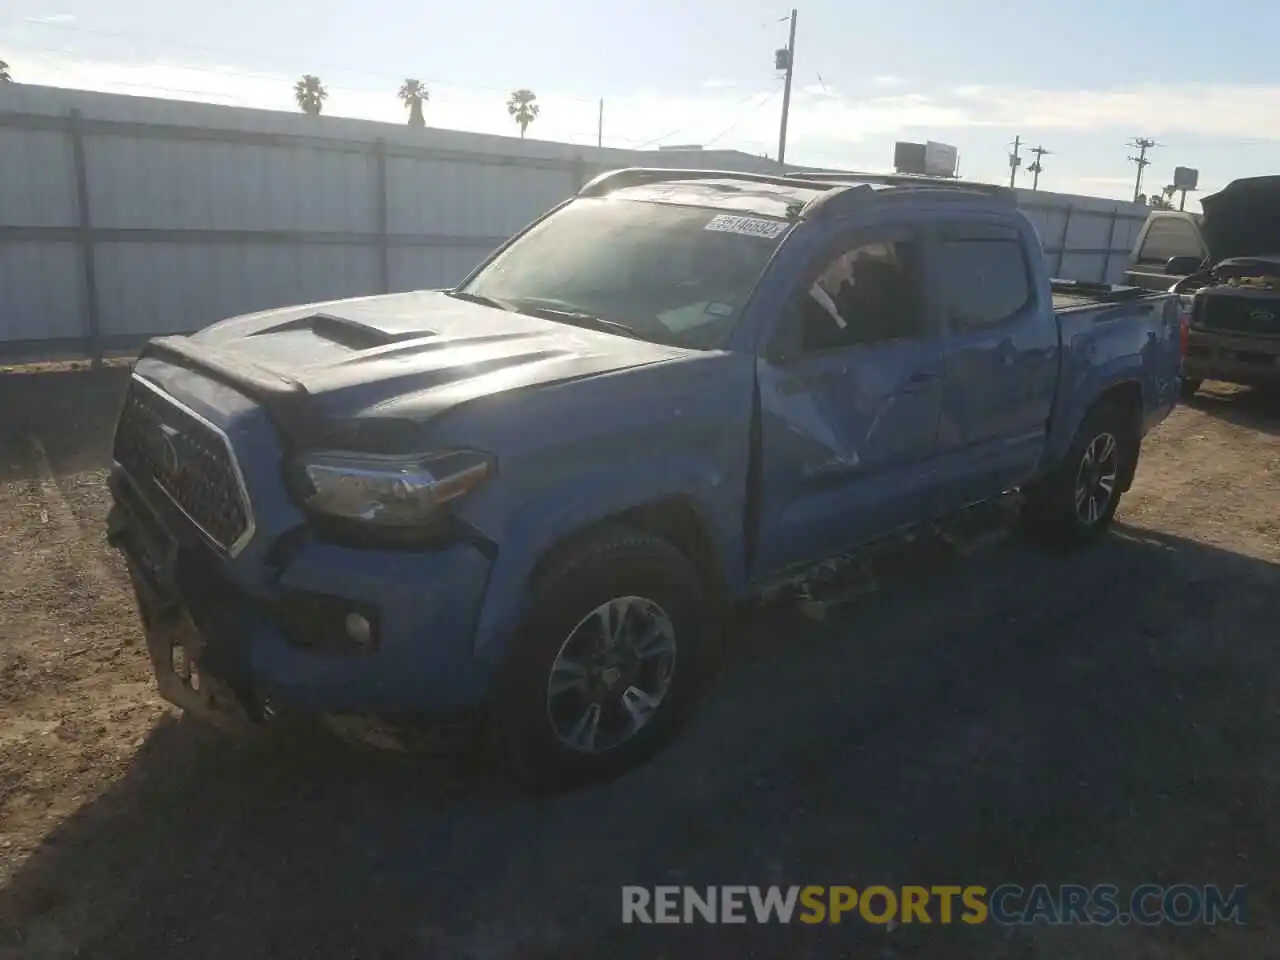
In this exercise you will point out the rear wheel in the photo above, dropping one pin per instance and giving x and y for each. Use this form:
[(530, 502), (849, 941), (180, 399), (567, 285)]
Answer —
[(600, 675), (1075, 504), (1190, 387)]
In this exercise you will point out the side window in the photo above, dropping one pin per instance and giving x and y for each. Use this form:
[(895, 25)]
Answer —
[(865, 294), (984, 275), (1169, 237)]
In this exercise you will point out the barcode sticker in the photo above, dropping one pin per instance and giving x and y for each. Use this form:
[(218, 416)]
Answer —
[(747, 226)]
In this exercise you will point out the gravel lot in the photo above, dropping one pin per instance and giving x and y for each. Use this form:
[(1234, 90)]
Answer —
[(1112, 716)]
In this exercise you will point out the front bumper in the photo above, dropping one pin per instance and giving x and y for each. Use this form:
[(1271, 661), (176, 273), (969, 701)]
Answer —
[(1233, 359), (253, 629)]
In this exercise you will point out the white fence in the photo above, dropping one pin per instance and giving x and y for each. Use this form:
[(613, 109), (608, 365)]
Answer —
[(1084, 238), (124, 217)]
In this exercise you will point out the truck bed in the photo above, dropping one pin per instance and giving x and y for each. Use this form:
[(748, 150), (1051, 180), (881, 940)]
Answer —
[(1080, 294)]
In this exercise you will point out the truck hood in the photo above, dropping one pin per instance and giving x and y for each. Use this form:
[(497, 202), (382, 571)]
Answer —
[(369, 372), (1243, 221)]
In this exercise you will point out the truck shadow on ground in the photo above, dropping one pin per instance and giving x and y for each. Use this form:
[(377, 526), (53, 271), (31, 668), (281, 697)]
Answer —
[(1104, 717), (1253, 408)]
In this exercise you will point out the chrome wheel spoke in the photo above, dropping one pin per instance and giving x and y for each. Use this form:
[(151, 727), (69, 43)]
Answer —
[(583, 733), (1107, 483), (654, 642), (1108, 447), (639, 705), (566, 675)]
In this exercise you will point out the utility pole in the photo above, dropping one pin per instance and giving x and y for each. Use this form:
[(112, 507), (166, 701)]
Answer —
[(786, 60), (600, 125), (1142, 145), (1015, 161), (1037, 168)]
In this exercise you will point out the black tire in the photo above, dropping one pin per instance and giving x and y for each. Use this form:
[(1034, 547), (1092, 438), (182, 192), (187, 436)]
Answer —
[(1052, 513), (608, 564), (1190, 387)]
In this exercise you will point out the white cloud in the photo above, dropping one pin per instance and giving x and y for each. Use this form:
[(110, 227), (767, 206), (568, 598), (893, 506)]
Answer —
[(886, 82), (53, 18)]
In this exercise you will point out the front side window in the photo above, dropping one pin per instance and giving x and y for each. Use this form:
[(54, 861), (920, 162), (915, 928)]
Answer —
[(866, 293), (672, 274)]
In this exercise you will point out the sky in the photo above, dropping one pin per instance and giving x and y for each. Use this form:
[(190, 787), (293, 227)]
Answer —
[(1081, 79)]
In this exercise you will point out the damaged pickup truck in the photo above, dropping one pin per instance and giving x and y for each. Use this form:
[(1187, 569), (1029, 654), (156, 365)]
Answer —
[(532, 498), (1228, 282)]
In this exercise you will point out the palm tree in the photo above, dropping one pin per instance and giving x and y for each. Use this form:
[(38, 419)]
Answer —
[(310, 94), (523, 109), (1164, 199), (414, 95), (5, 75)]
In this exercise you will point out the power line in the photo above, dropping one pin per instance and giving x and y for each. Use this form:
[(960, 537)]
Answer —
[(683, 127), (752, 110), (1142, 145)]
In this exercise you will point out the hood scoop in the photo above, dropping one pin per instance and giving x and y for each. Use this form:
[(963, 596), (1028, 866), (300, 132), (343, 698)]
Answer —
[(341, 331)]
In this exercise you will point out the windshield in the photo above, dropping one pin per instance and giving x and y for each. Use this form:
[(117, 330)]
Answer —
[(672, 274)]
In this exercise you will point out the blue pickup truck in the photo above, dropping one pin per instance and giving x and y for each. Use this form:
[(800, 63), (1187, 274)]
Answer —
[(533, 497)]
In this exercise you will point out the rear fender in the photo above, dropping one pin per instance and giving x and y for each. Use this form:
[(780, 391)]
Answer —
[(1084, 395)]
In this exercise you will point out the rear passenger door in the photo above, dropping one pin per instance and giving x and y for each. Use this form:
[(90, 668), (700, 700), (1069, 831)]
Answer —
[(1001, 361)]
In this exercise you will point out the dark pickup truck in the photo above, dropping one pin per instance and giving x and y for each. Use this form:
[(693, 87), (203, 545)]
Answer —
[(532, 497), (1225, 267)]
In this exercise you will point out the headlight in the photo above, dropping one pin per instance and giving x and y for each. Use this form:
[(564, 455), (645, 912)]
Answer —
[(391, 491)]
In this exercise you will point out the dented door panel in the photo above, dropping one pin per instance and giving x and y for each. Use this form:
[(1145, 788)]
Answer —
[(847, 443)]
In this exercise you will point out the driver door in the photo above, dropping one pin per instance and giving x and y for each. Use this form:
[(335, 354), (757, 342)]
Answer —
[(849, 413)]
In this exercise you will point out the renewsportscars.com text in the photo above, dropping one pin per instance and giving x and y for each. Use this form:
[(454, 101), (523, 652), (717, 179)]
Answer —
[(1008, 904)]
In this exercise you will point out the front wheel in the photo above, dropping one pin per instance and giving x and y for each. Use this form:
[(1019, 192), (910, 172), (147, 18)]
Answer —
[(1076, 503), (601, 673)]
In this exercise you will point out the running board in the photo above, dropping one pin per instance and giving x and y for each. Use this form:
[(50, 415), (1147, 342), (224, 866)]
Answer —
[(920, 550)]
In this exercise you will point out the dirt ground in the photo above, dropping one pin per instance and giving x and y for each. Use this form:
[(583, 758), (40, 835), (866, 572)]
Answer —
[(1112, 716)]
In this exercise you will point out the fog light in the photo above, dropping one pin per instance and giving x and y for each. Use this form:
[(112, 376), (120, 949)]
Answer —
[(359, 630)]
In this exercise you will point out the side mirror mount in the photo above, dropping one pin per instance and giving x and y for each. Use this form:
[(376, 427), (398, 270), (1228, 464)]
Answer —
[(1182, 266)]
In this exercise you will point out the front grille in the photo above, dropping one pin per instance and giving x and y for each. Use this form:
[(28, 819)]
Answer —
[(1239, 315), (161, 443)]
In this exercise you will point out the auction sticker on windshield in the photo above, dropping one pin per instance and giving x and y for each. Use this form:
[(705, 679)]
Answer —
[(747, 226)]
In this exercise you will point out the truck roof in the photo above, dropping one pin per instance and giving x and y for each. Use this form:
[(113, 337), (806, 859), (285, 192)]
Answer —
[(790, 196)]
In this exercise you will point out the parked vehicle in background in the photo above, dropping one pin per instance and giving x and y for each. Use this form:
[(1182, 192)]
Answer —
[(1168, 236), (1225, 269), (535, 495)]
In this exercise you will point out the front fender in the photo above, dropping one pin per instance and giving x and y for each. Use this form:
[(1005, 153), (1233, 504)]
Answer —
[(548, 519)]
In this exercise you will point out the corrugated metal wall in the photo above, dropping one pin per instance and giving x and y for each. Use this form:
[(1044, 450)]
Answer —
[(1084, 238), (123, 217)]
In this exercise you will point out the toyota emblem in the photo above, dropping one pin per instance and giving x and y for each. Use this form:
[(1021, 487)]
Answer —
[(166, 450), (1261, 316)]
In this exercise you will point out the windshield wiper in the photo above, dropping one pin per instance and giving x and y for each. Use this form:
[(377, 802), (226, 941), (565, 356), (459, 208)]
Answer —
[(577, 317), (480, 299)]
